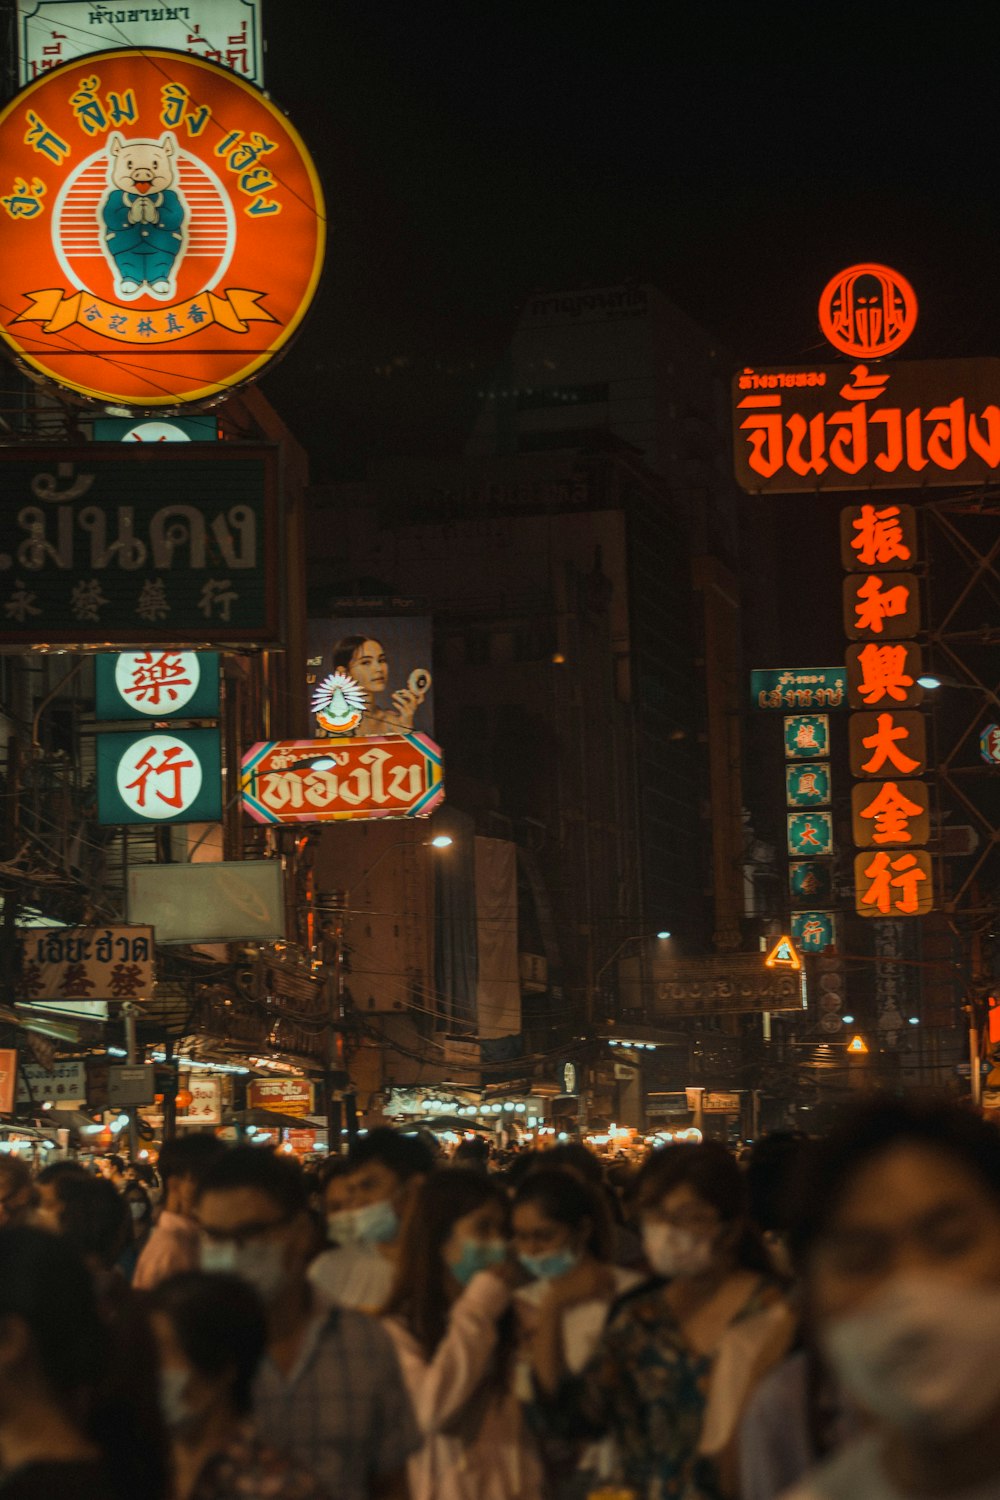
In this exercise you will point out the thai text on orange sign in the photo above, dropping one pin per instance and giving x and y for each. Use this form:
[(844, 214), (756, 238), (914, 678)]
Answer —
[(318, 781)]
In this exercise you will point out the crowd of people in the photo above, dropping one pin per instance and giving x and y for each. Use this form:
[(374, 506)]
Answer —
[(820, 1321)]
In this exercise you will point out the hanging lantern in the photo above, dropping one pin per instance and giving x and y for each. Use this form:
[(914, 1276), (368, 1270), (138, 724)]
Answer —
[(184, 1098)]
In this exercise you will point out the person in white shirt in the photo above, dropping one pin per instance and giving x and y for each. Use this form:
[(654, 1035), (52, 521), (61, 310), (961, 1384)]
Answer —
[(365, 1204), (899, 1231), (450, 1318)]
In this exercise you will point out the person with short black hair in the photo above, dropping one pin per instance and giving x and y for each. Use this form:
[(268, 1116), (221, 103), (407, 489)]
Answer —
[(329, 1389), (211, 1333), (382, 1171), (173, 1244), (17, 1191)]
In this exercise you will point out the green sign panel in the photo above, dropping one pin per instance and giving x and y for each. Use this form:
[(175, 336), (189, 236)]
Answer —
[(138, 544), (201, 429), (813, 931), (807, 736), (799, 687), (157, 684), (810, 833), (808, 785), (810, 880), (163, 776)]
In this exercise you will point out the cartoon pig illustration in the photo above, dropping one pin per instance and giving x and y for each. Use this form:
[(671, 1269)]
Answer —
[(145, 217)]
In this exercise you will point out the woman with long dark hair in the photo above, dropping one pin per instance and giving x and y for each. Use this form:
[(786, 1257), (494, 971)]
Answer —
[(676, 1361), (450, 1319), (77, 1421)]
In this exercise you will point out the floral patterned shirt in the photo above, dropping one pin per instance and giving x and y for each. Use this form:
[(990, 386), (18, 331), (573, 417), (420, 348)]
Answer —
[(248, 1469), (647, 1388)]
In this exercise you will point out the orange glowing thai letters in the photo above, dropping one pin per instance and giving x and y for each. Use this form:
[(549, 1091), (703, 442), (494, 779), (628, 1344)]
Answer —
[(868, 311), (163, 228), (893, 883)]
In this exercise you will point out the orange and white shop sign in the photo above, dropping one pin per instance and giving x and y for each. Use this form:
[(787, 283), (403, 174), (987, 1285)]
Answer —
[(163, 228)]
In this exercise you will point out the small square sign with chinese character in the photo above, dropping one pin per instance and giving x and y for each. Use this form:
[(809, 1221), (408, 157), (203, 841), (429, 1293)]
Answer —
[(163, 777), (814, 931), (810, 880), (810, 833), (890, 812), (888, 744), (884, 676), (887, 609), (878, 536), (807, 736), (893, 883), (157, 684), (808, 785)]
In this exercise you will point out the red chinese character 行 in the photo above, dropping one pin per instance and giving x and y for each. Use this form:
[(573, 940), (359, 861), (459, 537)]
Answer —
[(879, 536), (883, 673), (155, 677), (169, 766), (873, 605), (891, 811), (888, 873), (884, 747)]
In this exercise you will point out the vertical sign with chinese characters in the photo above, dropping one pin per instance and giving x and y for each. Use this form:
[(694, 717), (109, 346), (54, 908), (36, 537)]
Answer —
[(890, 805), (810, 834), (173, 777)]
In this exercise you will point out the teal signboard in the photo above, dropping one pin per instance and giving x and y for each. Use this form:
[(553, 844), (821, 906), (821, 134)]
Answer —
[(799, 687), (813, 931), (808, 785), (810, 880), (810, 833), (201, 429), (157, 684), (162, 776), (137, 544), (807, 736)]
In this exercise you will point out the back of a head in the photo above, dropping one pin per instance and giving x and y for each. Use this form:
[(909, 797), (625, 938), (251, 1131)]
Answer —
[(93, 1217), (189, 1156), (278, 1177), (56, 1170), (830, 1165), (405, 1155), (219, 1323), (474, 1154), (15, 1173), (44, 1282), (574, 1156)]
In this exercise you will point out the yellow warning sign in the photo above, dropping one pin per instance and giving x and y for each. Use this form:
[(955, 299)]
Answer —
[(783, 955)]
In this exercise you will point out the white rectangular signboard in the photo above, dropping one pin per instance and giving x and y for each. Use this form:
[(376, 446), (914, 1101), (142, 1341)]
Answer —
[(228, 32)]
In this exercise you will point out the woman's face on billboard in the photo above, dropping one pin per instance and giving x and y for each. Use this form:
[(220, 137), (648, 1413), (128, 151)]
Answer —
[(369, 667)]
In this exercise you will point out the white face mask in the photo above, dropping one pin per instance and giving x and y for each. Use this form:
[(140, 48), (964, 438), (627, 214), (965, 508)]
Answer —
[(672, 1251), (921, 1353), (174, 1408), (259, 1262)]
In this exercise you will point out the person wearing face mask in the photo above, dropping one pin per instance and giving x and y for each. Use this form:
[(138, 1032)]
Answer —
[(210, 1334), (449, 1315), (678, 1356), (329, 1389), (898, 1227), (564, 1241), (365, 1203), (172, 1245)]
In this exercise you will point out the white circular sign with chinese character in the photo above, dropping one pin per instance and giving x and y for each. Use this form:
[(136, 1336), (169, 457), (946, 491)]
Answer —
[(157, 683), (159, 776)]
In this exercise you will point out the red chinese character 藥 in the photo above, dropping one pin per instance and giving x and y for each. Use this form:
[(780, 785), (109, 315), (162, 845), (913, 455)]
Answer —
[(155, 677)]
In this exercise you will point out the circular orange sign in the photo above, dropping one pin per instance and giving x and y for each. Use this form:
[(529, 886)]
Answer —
[(163, 229), (868, 311)]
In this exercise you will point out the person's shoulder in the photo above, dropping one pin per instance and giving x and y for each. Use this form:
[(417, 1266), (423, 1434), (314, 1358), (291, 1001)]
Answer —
[(638, 1303), (853, 1473), (360, 1332)]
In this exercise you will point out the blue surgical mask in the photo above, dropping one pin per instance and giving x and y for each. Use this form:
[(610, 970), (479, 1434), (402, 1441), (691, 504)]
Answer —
[(478, 1255), (376, 1223), (548, 1267)]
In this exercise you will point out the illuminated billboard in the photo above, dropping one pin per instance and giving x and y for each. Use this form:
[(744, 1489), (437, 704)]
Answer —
[(164, 229), (371, 675)]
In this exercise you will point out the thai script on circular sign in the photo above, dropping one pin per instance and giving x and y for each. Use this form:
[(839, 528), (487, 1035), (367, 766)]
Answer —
[(158, 776), (868, 311), (163, 229)]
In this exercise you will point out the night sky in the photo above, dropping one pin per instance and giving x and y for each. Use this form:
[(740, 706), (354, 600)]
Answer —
[(734, 154)]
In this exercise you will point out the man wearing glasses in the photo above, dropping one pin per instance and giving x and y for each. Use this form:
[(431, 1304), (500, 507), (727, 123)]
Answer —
[(329, 1392)]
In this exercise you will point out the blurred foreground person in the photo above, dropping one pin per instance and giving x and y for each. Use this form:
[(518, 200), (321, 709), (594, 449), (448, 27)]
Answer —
[(95, 1220), (211, 1334), (680, 1355), (365, 1206), (563, 1238), (329, 1391), (899, 1230), (449, 1317), (17, 1191), (173, 1244), (64, 1433)]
